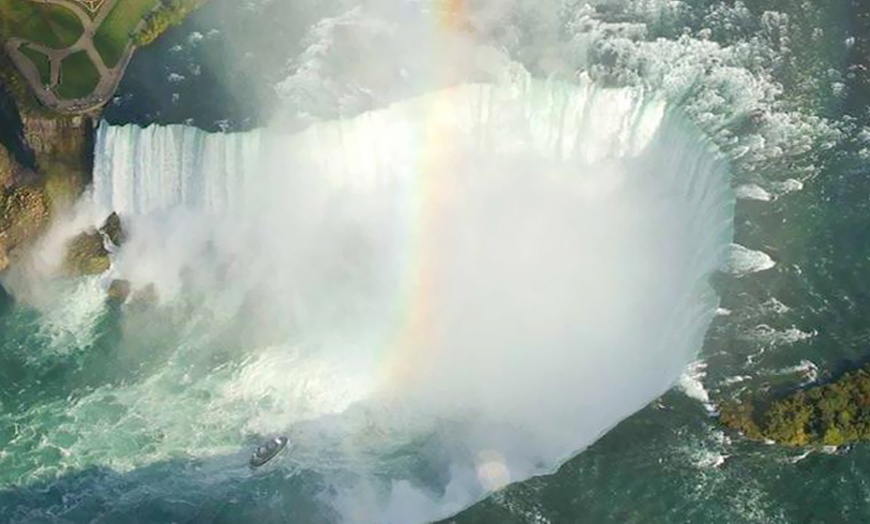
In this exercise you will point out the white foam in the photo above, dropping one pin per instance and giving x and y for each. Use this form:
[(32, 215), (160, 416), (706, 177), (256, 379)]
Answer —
[(736, 379), (743, 261), (787, 186), (30, 280), (304, 224), (719, 84), (691, 382), (794, 459), (710, 459), (768, 335), (808, 369), (774, 306), (70, 322), (753, 192)]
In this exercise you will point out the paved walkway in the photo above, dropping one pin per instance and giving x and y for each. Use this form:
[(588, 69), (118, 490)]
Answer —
[(91, 5), (109, 77)]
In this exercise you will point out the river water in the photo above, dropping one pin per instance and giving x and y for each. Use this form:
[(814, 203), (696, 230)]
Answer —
[(271, 321)]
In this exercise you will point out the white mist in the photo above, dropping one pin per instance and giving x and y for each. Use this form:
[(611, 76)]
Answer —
[(562, 236)]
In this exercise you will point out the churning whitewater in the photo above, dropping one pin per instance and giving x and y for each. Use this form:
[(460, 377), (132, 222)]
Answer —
[(410, 293)]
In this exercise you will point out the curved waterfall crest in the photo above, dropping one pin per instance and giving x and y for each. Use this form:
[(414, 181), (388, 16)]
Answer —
[(524, 263)]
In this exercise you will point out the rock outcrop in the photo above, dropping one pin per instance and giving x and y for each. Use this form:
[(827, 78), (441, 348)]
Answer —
[(119, 289), (113, 229), (7, 169), (87, 253), (24, 210), (62, 147)]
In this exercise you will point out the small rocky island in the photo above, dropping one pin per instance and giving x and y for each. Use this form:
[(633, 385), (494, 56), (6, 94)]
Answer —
[(830, 414)]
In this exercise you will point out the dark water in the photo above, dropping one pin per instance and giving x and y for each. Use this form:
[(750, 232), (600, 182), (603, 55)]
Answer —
[(225, 60), (667, 463), (639, 472)]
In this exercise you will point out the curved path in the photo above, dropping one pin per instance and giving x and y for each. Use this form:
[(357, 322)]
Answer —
[(91, 5), (109, 77)]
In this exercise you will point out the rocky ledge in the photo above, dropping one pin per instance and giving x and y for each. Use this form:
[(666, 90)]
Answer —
[(87, 254), (24, 209), (60, 148), (47, 172)]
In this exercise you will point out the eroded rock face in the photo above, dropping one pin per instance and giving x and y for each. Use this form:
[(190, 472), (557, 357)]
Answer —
[(24, 214), (7, 167), (86, 254), (5, 182), (62, 146), (56, 135)]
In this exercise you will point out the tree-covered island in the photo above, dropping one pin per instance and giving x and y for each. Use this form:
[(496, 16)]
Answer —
[(829, 414)]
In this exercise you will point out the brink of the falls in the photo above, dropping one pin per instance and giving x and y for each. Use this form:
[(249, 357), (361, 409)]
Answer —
[(433, 299)]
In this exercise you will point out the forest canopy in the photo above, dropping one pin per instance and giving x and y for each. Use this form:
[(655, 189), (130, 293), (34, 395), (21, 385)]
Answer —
[(831, 414)]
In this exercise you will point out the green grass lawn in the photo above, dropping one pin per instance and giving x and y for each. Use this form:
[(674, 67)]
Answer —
[(115, 32), (78, 76), (47, 24), (42, 63)]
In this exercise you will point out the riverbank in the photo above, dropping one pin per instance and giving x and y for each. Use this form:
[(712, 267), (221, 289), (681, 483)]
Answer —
[(45, 163)]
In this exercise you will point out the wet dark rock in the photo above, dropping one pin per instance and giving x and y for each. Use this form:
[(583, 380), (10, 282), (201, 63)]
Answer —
[(86, 254), (119, 290), (49, 177), (113, 229)]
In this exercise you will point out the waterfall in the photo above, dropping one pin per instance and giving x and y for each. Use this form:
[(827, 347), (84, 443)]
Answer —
[(504, 271)]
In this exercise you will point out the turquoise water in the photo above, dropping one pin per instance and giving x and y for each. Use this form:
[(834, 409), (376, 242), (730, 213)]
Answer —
[(801, 320)]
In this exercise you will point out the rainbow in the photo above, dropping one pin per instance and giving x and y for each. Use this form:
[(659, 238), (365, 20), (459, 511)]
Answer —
[(416, 335), (414, 338)]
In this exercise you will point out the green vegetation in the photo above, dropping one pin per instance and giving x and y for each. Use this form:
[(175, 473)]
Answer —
[(38, 23), (42, 63), (122, 24), (78, 76), (831, 414), (170, 13), (51, 25), (117, 28)]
